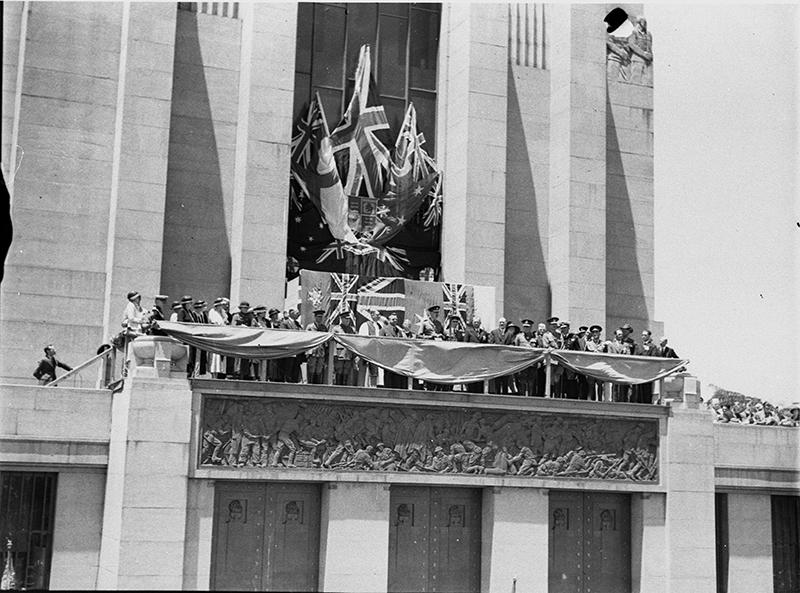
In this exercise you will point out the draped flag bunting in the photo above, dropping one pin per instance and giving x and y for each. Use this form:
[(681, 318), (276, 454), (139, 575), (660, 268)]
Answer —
[(361, 154), (385, 218), (314, 170), (428, 360)]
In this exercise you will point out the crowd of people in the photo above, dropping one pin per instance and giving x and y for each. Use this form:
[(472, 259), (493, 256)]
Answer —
[(754, 411), (349, 370)]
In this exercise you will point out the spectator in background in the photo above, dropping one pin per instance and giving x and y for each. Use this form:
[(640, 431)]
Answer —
[(176, 306), (408, 330), (392, 330), (343, 359), (134, 316), (667, 351), (317, 358), (217, 316), (46, 369)]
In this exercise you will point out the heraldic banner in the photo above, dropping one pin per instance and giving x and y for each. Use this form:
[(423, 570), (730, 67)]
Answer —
[(408, 299)]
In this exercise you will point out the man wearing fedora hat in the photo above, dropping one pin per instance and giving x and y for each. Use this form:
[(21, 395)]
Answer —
[(244, 317)]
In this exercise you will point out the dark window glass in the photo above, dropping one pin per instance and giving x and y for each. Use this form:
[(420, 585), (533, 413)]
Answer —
[(302, 93), (404, 39), (362, 24), (328, 68), (395, 9), (425, 105), (332, 104), (423, 53), (305, 30), (395, 111), (392, 62)]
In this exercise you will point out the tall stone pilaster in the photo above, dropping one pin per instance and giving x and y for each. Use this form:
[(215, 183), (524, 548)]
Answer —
[(263, 138), (471, 134), (577, 213)]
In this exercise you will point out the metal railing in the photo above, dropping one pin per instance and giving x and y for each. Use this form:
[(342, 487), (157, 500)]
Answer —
[(110, 368)]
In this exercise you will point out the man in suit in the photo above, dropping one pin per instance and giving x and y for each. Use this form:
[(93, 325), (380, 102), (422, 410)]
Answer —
[(200, 314), (46, 369), (291, 366), (318, 357), (432, 328), (244, 317), (392, 330)]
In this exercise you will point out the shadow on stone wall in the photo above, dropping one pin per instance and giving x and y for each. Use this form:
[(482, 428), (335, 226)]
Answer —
[(625, 299), (527, 287), (196, 257)]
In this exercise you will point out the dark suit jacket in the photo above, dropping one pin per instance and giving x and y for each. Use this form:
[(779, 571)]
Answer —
[(47, 366)]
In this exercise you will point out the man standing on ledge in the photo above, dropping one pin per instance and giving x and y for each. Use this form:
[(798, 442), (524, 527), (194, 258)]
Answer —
[(46, 370)]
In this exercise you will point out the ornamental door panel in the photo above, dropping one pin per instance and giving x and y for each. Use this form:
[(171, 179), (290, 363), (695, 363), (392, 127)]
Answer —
[(607, 543), (565, 574), (434, 539), (455, 540), (589, 543), (293, 515), (409, 526), (238, 537), (266, 537)]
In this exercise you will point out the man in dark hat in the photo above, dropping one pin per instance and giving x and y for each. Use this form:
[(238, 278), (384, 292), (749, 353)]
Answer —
[(291, 365), (317, 358), (186, 315), (201, 316), (526, 378), (157, 313), (432, 328), (244, 317), (46, 369), (595, 344)]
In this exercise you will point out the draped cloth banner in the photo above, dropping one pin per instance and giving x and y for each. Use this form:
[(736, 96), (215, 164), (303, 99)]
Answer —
[(244, 342), (630, 370), (441, 362), (427, 360)]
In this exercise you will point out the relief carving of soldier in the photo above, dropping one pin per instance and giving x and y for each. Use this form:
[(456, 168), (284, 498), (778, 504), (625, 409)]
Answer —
[(641, 54), (247, 432)]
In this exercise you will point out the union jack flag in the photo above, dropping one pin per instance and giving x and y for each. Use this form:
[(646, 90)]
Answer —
[(385, 294), (360, 153), (455, 299), (343, 293)]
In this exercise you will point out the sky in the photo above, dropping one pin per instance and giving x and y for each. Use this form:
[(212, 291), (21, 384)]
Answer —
[(727, 238)]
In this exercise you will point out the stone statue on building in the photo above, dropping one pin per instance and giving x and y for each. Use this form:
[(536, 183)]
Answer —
[(641, 54), (618, 58)]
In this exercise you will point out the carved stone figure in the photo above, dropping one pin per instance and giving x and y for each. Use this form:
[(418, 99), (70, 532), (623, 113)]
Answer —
[(641, 57), (618, 58)]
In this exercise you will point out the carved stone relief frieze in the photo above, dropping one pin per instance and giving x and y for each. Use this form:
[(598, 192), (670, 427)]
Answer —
[(270, 433)]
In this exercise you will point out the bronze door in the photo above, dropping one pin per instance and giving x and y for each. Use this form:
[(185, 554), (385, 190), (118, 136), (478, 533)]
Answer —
[(266, 537), (434, 539), (589, 543)]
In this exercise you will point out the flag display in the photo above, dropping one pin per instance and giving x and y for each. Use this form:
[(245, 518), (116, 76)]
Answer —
[(355, 294), (378, 213)]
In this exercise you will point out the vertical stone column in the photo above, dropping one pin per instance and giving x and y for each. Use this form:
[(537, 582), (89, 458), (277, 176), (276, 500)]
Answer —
[(689, 477), (139, 165), (514, 540), (577, 213), (354, 538), (471, 131), (199, 530), (263, 139), (749, 543), (144, 518), (630, 277), (648, 543)]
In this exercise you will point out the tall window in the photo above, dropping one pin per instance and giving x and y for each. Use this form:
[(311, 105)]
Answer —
[(27, 501), (404, 39)]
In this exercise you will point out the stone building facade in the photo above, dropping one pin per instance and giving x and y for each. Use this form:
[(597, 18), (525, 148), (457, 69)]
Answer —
[(152, 141)]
